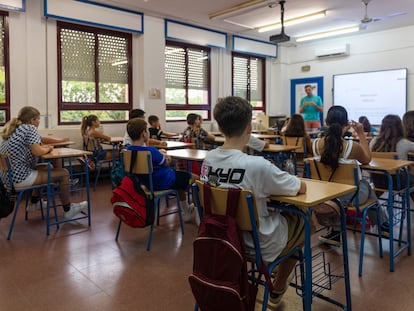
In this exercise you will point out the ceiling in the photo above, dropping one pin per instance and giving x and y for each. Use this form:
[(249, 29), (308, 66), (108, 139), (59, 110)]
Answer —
[(386, 14)]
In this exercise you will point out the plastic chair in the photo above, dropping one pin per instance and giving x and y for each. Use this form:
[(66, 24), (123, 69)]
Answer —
[(347, 173), (7, 168), (91, 144), (248, 220), (143, 167)]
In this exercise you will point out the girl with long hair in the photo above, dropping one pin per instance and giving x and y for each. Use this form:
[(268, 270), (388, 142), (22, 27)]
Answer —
[(333, 149), (22, 142)]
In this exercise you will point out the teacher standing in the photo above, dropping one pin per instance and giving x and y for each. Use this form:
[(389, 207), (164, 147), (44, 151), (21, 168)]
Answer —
[(310, 107)]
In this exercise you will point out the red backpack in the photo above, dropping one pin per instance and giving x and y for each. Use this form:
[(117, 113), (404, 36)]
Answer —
[(220, 280), (130, 202)]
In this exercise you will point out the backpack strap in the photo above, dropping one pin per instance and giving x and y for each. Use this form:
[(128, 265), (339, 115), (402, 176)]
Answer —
[(232, 200), (233, 196), (134, 156)]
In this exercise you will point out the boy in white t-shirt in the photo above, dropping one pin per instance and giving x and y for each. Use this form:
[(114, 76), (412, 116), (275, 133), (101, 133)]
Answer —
[(229, 167)]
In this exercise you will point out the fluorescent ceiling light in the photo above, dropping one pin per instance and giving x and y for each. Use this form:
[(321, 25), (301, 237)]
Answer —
[(329, 33), (293, 21), (238, 9), (121, 62)]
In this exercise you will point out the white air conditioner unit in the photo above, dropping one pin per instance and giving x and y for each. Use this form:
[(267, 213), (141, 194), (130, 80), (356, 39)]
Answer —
[(333, 51)]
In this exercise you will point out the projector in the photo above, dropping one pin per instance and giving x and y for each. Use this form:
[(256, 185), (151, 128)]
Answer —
[(279, 38)]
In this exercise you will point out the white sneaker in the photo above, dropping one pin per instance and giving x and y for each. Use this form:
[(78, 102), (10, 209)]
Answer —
[(75, 208), (187, 212)]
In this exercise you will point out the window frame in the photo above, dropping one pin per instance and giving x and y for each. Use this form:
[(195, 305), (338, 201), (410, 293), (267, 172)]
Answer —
[(65, 106), (187, 106), (263, 77), (6, 52)]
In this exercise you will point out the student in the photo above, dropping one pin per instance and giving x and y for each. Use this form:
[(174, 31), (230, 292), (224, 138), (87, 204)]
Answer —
[(296, 128), (408, 124), (92, 135), (22, 142), (279, 232), (368, 129), (195, 133), (391, 139), (139, 113), (164, 177), (333, 149), (155, 129)]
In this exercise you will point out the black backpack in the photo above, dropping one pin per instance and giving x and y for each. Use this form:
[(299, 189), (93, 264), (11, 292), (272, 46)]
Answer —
[(6, 201)]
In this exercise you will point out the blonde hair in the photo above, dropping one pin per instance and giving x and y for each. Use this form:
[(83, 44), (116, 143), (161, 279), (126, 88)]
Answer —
[(25, 116)]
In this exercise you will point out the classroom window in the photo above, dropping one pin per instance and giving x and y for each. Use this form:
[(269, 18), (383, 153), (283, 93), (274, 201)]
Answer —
[(249, 79), (4, 69), (95, 73), (187, 80)]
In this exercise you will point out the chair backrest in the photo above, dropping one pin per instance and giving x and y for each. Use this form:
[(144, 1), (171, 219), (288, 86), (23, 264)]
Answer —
[(346, 173), (219, 205), (295, 141), (6, 167), (142, 165)]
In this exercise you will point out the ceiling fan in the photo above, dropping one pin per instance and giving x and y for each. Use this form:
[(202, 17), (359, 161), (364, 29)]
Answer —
[(367, 19), (282, 37)]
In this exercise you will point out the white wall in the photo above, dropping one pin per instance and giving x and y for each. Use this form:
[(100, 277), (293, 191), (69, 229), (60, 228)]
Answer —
[(368, 52), (33, 67)]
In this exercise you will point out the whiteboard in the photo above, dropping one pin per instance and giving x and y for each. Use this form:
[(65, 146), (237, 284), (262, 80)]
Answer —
[(373, 94)]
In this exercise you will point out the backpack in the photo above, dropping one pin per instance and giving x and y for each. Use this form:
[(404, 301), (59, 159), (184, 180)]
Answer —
[(220, 279), (130, 202), (6, 202)]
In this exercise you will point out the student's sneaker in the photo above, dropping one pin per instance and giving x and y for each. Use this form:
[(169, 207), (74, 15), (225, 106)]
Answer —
[(188, 212), (75, 208), (332, 238), (274, 296)]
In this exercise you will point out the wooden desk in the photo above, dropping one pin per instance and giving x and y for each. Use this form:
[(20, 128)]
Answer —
[(390, 167), (59, 153), (61, 144), (266, 136), (116, 139), (188, 154), (264, 131), (175, 145), (275, 148), (318, 192), (62, 153)]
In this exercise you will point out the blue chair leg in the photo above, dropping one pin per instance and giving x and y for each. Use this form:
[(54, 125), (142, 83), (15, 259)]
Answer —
[(180, 214), (16, 209), (98, 172), (156, 207), (117, 230)]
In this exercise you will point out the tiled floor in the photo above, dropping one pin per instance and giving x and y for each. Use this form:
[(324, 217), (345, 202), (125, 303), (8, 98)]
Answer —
[(81, 268)]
